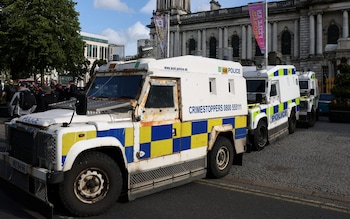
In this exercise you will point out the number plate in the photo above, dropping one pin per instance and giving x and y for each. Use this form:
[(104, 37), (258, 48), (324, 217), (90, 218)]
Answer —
[(19, 165)]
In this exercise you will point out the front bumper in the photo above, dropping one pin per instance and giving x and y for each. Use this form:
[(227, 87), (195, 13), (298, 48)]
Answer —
[(30, 179)]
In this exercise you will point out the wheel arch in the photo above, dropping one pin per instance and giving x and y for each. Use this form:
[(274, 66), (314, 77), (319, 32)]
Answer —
[(107, 145), (258, 118), (226, 131)]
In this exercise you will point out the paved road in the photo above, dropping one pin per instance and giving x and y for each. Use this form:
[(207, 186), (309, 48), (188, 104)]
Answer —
[(313, 161), (309, 169)]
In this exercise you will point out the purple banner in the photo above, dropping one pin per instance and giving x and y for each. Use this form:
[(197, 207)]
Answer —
[(257, 13), (160, 22)]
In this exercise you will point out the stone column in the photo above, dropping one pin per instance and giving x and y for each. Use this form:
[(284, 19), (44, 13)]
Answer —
[(296, 38), (184, 40), (345, 24), (312, 35), (171, 46), (269, 38), (274, 37), (177, 44), (319, 50), (220, 55), (244, 43), (249, 42), (226, 53), (199, 42), (204, 45)]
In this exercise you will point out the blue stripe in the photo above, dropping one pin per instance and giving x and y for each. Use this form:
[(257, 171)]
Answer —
[(129, 153), (285, 71), (285, 105), (161, 132), (199, 127), (186, 143), (229, 121), (240, 133), (117, 133), (146, 147), (275, 109), (176, 145), (63, 159), (275, 73)]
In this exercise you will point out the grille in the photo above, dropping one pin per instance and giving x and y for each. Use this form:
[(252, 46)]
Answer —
[(22, 144), (303, 105), (46, 147), (29, 144)]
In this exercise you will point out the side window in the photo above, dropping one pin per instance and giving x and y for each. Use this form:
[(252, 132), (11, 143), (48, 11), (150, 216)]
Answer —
[(273, 91), (160, 96), (162, 101)]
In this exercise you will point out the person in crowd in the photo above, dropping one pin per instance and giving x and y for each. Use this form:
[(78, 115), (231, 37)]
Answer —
[(23, 102), (71, 90), (59, 93), (46, 97), (9, 90)]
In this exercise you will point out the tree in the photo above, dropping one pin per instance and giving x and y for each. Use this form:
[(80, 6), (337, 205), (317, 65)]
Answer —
[(41, 35), (98, 63)]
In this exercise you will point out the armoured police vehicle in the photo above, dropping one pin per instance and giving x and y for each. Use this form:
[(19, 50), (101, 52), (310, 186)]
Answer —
[(145, 126), (309, 96), (274, 103)]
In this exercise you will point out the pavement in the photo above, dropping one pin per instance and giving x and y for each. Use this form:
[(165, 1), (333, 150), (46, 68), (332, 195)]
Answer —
[(312, 161)]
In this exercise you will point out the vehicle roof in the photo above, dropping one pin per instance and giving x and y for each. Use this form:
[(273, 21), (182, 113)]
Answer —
[(177, 65), (270, 71)]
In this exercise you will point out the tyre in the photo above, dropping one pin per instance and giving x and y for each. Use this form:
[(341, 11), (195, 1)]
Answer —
[(260, 136), (220, 158), (312, 118), (92, 186), (292, 122)]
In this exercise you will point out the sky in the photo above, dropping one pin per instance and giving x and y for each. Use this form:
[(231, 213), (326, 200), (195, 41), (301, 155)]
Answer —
[(125, 21)]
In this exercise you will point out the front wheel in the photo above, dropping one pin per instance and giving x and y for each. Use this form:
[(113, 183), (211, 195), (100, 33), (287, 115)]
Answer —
[(92, 186), (260, 136), (220, 158)]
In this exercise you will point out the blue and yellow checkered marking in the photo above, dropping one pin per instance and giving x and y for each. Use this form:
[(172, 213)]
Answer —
[(275, 109), (158, 140), (193, 135), (283, 72)]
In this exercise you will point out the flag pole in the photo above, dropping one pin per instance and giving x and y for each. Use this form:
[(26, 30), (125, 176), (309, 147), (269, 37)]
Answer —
[(266, 34)]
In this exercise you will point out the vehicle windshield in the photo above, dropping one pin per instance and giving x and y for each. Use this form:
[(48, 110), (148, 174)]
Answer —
[(123, 86), (303, 85), (257, 86)]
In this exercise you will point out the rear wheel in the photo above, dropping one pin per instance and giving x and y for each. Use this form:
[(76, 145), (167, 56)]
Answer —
[(292, 122), (312, 118), (220, 158), (260, 136), (92, 186)]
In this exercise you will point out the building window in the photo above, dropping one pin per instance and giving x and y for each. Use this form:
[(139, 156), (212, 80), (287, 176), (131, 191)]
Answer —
[(94, 51), (235, 46), (333, 34), (192, 47), (212, 47), (89, 52), (286, 42)]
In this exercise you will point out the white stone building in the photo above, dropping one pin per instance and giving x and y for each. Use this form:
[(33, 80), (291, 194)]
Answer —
[(96, 47), (310, 34)]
